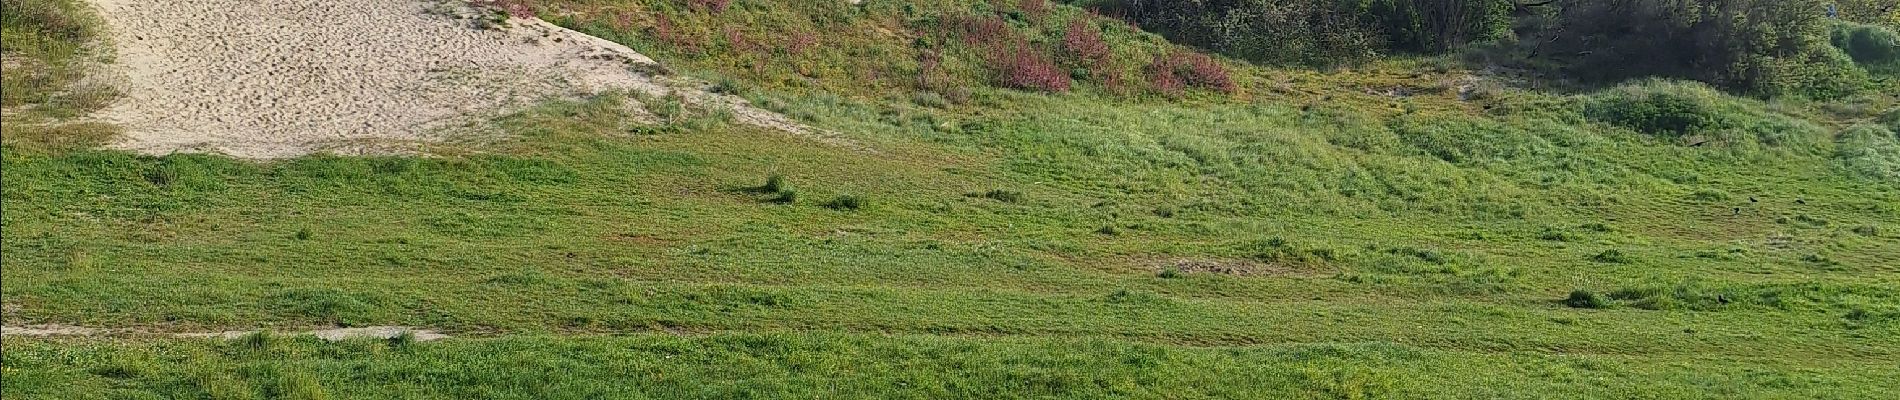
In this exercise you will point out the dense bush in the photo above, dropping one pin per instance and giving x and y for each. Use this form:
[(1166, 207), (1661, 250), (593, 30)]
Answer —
[(1432, 26), (1765, 47), (1015, 61), (1876, 47), (1319, 32), (1313, 32)]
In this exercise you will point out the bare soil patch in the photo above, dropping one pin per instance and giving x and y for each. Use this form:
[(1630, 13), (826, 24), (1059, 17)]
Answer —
[(282, 78)]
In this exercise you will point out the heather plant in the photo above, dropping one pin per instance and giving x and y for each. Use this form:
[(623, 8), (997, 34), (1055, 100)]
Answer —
[(1083, 43), (1176, 71)]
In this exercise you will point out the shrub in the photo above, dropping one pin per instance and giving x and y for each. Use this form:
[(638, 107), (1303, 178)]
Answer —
[(774, 184), (714, 6), (1765, 47), (846, 203), (1657, 112), (1892, 121), (1434, 26), (980, 30), (1030, 70), (1084, 44), (1585, 299), (1876, 47), (1308, 32), (32, 24), (726, 85), (1181, 69), (1034, 8), (1015, 63)]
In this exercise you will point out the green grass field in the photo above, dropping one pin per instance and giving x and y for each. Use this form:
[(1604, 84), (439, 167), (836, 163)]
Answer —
[(1308, 237)]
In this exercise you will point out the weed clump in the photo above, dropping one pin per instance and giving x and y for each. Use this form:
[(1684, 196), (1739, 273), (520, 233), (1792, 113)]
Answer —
[(846, 203), (774, 184), (1555, 235), (1869, 151), (787, 196), (1585, 299), (1611, 256), (1867, 230), (1004, 195), (780, 190), (401, 341), (727, 85)]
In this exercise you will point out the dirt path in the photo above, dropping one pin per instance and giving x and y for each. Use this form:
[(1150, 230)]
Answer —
[(282, 78), (377, 332)]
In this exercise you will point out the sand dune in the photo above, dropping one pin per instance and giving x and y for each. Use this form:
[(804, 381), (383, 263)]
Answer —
[(281, 78)]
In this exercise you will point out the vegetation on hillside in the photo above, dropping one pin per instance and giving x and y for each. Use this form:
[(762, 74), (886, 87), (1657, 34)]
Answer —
[(1169, 224)]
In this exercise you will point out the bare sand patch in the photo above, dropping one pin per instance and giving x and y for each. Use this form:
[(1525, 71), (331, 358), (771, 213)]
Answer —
[(282, 78)]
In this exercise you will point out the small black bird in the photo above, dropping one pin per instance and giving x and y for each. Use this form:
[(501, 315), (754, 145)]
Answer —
[(1801, 202), (1751, 199)]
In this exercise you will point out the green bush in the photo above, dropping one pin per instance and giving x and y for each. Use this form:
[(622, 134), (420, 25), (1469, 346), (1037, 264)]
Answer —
[(1434, 26), (1670, 113), (1321, 32), (1763, 47), (1876, 47)]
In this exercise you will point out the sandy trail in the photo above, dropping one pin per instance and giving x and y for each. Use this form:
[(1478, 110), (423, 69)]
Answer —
[(282, 78)]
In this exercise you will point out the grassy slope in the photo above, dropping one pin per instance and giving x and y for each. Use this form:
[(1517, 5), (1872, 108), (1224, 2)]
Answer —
[(1406, 247)]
